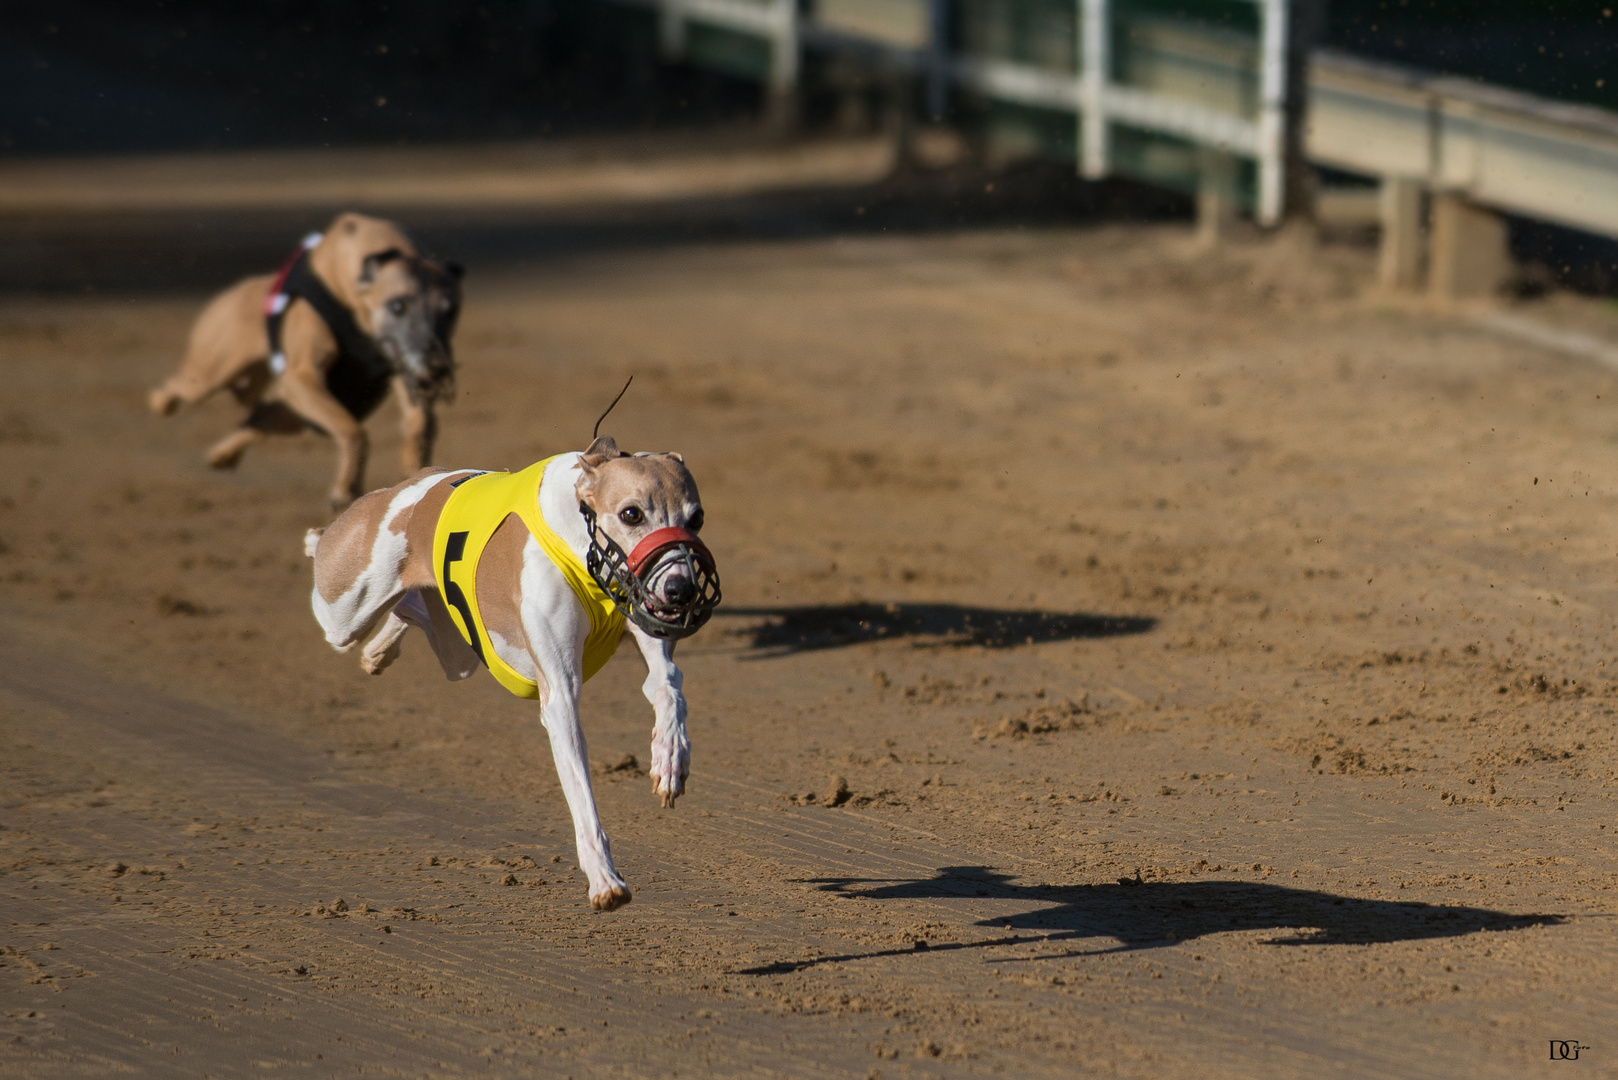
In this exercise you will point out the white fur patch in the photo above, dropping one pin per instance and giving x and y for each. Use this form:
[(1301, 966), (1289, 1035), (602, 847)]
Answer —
[(560, 505), (553, 619), (377, 586)]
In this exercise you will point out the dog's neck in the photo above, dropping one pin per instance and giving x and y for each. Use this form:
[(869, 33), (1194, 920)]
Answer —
[(559, 503), (326, 262)]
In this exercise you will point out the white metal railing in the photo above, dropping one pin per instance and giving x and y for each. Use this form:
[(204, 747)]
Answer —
[(911, 33), (1503, 149), (775, 21), (1095, 60), (1174, 117)]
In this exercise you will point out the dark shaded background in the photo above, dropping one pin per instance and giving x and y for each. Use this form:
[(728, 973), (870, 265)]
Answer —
[(1556, 48), (122, 75), (111, 76)]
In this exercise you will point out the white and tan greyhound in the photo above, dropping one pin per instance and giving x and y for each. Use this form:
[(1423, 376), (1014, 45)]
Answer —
[(536, 575)]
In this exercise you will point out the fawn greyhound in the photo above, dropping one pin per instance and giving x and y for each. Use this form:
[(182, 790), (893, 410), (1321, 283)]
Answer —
[(536, 575), (355, 311)]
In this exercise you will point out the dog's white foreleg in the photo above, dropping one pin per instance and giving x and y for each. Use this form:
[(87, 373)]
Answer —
[(665, 689), (561, 718), (556, 626)]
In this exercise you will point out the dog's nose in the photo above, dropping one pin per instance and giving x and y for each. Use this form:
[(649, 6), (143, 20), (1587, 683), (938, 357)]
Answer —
[(679, 591)]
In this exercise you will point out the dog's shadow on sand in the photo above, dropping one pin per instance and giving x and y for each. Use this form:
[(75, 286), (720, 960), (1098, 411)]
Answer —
[(787, 630), (1152, 914)]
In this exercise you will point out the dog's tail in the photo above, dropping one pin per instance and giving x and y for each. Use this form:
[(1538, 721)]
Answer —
[(311, 541)]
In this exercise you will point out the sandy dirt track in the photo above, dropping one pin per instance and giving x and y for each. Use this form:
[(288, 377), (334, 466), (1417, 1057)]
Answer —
[(1215, 658), (500, 177)]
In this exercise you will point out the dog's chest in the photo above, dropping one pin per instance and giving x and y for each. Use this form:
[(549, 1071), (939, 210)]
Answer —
[(358, 385), (468, 520)]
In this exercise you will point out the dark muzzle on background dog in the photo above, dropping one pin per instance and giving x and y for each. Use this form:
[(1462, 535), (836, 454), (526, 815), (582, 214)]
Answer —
[(668, 585)]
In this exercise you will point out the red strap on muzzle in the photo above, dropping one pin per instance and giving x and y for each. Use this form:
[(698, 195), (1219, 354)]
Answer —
[(655, 543)]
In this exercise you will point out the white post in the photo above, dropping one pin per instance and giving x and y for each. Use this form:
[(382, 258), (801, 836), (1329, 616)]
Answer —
[(781, 81), (784, 47), (1216, 196), (671, 29), (1094, 61), (1272, 112), (1399, 259), (1471, 256)]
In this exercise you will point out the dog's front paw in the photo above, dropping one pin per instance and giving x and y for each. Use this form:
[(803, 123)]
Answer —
[(671, 764), (611, 897), (667, 789)]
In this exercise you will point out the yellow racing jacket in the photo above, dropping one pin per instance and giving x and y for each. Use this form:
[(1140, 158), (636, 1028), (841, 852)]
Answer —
[(474, 511)]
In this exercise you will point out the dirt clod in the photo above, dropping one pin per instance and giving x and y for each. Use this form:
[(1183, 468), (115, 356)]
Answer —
[(177, 605)]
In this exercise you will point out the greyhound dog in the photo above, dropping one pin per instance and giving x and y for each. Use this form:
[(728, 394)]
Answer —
[(356, 310), (535, 575)]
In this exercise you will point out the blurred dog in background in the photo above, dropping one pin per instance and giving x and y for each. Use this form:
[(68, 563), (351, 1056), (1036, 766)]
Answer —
[(356, 311)]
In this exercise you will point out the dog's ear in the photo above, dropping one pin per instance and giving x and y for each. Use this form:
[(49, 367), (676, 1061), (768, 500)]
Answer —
[(677, 456), (604, 449), (375, 262), (455, 270)]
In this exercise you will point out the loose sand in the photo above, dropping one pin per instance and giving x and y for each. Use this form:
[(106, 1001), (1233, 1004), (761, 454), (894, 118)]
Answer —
[(1210, 668)]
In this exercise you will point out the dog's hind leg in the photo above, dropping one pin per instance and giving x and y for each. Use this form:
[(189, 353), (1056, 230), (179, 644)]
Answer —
[(227, 339), (265, 419), (360, 561), (197, 381), (227, 452), (383, 648), (303, 390), (425, 610), (177, 392)]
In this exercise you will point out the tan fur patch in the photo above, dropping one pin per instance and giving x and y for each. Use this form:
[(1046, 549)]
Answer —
[(345, 547), (499, 585), (417, 572), (658, 484), (340, 258), (305, 334)]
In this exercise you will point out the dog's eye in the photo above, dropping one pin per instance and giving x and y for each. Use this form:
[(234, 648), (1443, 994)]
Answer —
[(397, 306), (631, 515), (695, 524)]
